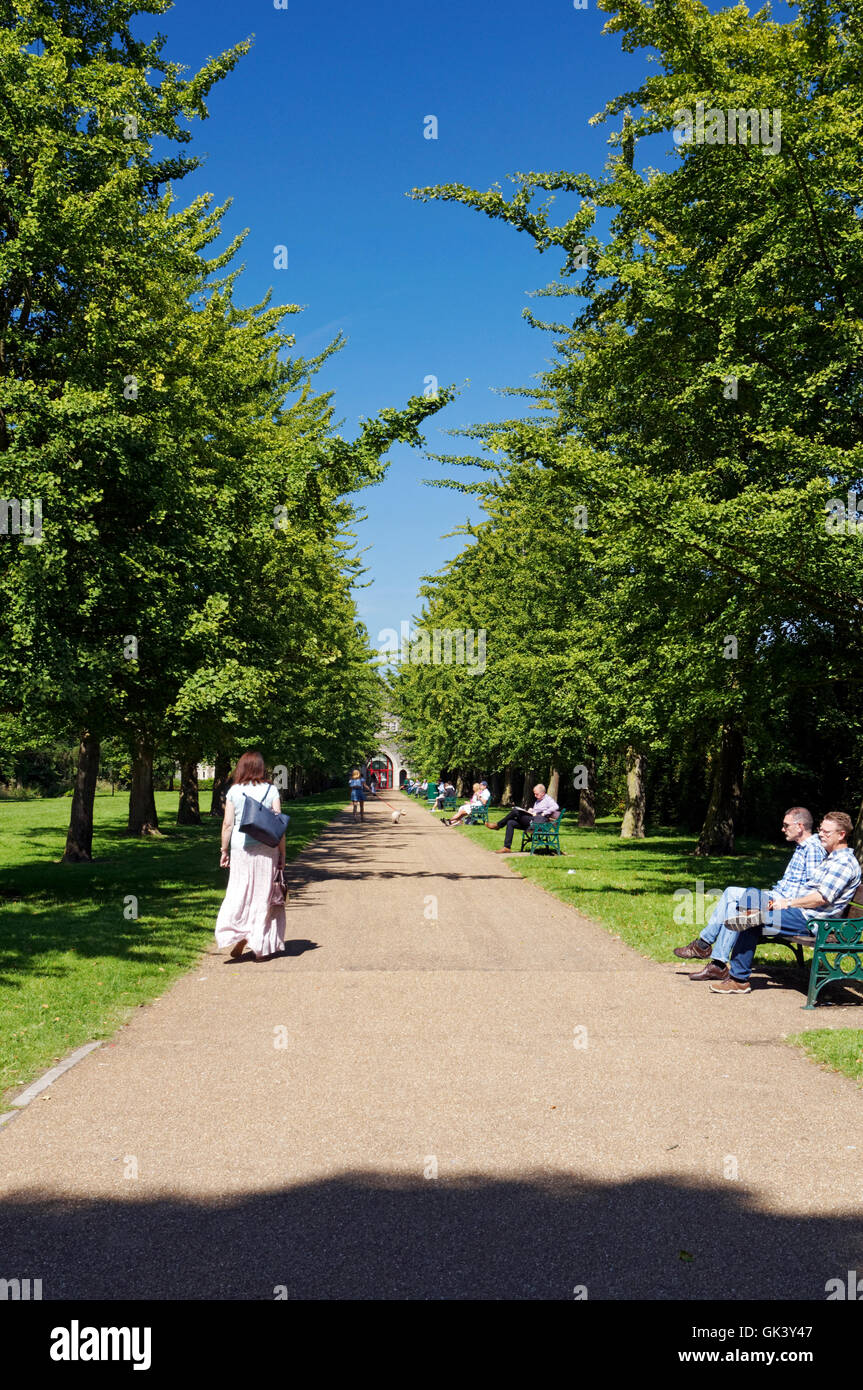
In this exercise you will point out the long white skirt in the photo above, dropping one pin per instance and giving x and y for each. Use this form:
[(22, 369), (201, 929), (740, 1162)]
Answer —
[(247, 910)]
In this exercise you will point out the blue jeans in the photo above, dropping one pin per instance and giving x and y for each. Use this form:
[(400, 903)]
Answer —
[(716, 933), (788, 920)]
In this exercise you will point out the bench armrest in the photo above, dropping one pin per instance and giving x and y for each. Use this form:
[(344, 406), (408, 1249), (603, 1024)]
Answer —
[(848, 931)]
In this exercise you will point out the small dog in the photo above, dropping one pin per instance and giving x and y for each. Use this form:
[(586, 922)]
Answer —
[(397, 815)]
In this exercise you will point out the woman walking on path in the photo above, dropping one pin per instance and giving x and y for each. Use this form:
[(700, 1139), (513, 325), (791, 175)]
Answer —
[(248, 917), (358, 793)]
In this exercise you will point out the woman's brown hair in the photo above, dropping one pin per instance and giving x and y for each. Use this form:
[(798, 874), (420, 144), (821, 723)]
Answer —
[(250, 768)]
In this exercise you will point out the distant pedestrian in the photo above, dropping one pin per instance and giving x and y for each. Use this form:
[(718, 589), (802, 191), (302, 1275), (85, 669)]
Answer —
[(358, 788), (249, 917)]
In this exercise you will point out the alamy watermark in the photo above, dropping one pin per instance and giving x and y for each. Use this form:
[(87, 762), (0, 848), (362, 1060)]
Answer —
[(845, 519), (694, 908), (734, 126), (850, 1288), (20, 1290), (16, 520), (441, 646)]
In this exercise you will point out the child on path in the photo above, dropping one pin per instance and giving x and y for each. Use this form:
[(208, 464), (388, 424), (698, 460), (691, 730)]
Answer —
[(358, 792)]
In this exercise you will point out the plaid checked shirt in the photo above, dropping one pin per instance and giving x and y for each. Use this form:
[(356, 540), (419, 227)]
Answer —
[(802, 866), (835, 880)]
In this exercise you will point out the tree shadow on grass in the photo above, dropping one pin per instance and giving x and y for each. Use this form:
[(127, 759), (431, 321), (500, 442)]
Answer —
[(50, 908), (35, 931), (373, 1235)]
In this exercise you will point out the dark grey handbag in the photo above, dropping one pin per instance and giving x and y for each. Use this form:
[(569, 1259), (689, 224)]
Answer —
[(264, 826)]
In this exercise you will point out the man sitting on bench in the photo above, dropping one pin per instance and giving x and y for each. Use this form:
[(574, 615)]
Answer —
[(827, 894), (717, 941), (544, 808), (444, 790)]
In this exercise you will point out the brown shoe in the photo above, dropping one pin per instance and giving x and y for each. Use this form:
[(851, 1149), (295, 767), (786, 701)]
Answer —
[(503, 850), (696, 950), (489, 826), (731, 986), (711, 971), (238, 949)]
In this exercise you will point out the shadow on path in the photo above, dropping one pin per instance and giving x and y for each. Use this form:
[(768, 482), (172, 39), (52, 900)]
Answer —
[(371, 1235)]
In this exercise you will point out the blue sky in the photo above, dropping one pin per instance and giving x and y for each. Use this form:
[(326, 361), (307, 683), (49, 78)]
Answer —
[(318, 134)]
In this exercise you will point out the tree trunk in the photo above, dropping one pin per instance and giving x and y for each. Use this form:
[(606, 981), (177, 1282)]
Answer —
[(554, 782), (527, 796), (633, 817), (189, 810), (508, 794), (857, 838), (221, 783), (717, 832), (587, 797), (461, 784), (79, 838), (143, 819)]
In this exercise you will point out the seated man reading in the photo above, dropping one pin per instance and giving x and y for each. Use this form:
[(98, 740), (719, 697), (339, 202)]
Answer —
[(544, 808), (717, 941), (827, 894)]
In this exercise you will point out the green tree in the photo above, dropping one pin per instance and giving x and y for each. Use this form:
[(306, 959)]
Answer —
[(709, 391)]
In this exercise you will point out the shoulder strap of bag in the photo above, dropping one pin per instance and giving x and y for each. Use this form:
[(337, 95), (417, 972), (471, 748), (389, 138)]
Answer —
[(263, 798)]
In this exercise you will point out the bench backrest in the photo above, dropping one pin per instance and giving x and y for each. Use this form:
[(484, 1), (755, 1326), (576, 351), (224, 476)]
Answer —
[(855, 907)]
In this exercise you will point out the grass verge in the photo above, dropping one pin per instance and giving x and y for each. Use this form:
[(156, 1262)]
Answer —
[(841, 1049), (74, 959)]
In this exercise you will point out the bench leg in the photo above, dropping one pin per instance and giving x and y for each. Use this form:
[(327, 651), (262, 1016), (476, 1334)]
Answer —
[(812, 994)]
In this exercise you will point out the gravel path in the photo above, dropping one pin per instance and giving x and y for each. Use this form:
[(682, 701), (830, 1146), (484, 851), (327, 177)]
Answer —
[(453, 1086)]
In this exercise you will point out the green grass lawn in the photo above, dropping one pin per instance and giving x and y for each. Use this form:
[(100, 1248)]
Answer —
[(629, 885), (839, 1048), (72, 964)]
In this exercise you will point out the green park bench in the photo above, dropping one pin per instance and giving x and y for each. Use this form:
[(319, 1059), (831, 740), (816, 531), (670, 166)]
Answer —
[(478, 815), (449, 802), (543, 834), (837, 948)]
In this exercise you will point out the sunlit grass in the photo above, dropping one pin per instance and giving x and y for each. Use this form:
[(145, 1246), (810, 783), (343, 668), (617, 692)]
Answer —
[(74, 961), (838, 1048)]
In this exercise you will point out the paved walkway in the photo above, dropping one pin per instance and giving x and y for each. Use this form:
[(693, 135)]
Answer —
[(418, 1044)]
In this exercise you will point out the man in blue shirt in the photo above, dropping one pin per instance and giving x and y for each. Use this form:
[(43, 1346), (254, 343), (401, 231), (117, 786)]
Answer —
[(717, 941), (827, 894)]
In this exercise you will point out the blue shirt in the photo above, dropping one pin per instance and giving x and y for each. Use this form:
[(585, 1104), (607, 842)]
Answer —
[(806, 859), (836, 880)]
